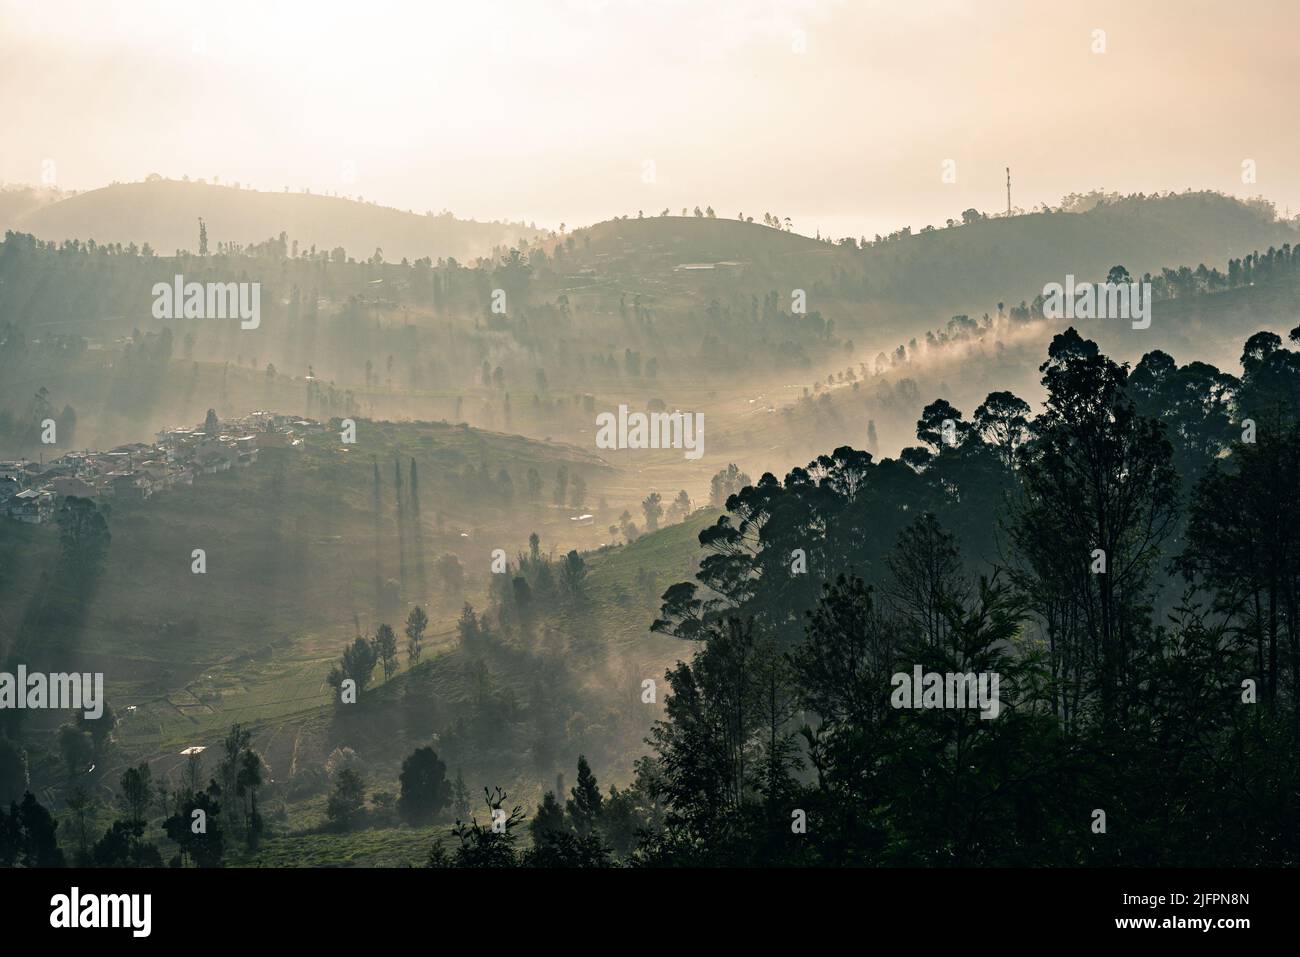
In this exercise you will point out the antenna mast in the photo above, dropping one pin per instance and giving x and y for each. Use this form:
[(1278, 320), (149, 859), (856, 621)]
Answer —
[(1008, 191)]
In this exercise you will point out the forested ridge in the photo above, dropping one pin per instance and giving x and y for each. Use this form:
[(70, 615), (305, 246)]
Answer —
[(1149, 712)]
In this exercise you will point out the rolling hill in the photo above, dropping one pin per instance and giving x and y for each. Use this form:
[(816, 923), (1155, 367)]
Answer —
[(165, 214), (931, 273)]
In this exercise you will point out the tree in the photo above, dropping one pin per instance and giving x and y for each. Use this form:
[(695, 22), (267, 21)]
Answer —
[(556, 849), (708, 742), (578, 497), (123, 845), (653, 509), (358, 665), (468, 627), (386, 650), (192, 775), (1002, 420), (561, 484), (460, 797), (680, 508), (925, 577), (425, 788), (236, 742), (196, 828), (137, 792), (941, 426), (28, 835), (491, 844), (80, 804), (77, 748), (416, 622), (450, 571), (584, 805), (549, 819), (725, 483), (1097, 480), (1244, 543), (1112, 681), (1196, 403), (573, 576), (100, 729), (347, 802), (247, 783)]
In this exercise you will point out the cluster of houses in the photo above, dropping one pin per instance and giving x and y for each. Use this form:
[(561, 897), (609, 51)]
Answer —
[(30, 491)]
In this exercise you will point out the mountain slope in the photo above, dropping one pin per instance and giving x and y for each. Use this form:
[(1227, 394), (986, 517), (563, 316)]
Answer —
[(933, 273), (165, 214)]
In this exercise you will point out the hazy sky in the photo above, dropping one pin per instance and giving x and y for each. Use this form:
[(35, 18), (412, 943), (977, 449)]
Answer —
[(548, 110)]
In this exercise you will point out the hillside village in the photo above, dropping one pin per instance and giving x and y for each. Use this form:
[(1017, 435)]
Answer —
[(30, 492)]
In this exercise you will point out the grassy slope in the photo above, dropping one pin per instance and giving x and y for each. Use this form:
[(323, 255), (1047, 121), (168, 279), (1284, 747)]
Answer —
[(620, 617), (287, 571), (253, 639)]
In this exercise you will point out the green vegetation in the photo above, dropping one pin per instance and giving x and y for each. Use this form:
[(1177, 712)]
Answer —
[(386, 630)]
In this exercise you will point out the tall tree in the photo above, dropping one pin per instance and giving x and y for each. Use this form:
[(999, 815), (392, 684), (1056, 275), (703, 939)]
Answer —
[(1100, 496), (347, 802), (386, 649), (416, 622), (584, 804)]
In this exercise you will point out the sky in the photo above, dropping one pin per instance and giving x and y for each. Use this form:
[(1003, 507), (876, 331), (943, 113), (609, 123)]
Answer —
[(843, 116)]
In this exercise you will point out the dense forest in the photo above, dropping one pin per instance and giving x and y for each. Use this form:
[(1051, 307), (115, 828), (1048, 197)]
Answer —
[(1124, 560), (1141, 614)]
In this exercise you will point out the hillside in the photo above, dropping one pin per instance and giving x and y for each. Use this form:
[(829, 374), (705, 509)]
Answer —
[(956, 269), (674, 240), (928, 273), (604, 316), (296, 552), (1208, 323), (351, 561), (19, 201), (165, 214)]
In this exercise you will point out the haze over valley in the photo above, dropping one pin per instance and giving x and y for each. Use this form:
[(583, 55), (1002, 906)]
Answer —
[(583, 434)]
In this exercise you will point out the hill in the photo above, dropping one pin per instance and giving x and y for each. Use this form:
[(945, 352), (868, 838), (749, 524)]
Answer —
[(930, 273), (952, 269), (674, 240), (296, 553), (18, 201), (165, 214)]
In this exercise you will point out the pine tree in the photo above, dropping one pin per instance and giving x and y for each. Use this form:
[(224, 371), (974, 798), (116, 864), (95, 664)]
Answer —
[(548, 820), (584, 805)]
